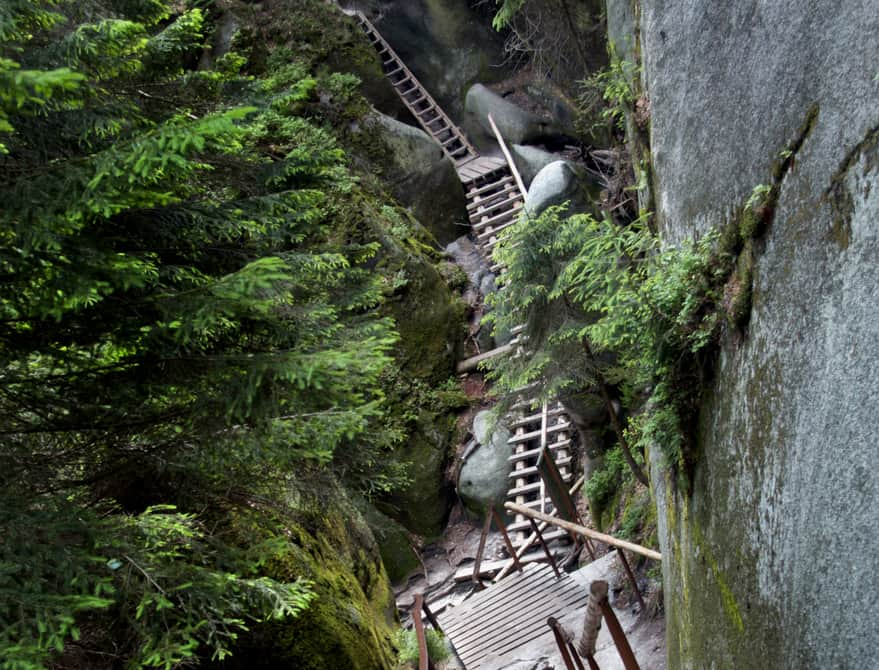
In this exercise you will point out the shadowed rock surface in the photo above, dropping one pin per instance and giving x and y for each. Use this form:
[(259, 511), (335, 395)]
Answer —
[(771, 561)]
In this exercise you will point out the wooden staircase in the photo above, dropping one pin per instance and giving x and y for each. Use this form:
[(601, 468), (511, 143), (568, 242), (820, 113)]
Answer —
[(494, 202)]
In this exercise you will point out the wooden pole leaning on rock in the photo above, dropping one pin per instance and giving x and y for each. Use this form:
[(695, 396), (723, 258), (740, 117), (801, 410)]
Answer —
[(583, 530), (508, 156)]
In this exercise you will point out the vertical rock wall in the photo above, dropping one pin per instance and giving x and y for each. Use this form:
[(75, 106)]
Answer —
[(771, 561)]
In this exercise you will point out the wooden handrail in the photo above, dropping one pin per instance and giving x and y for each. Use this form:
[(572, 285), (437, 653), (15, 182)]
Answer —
[(584, 531)]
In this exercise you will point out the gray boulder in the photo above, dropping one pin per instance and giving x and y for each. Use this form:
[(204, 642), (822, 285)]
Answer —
[(419, 175), (517, 125), (484, 477), (558, 182), (531, 160)]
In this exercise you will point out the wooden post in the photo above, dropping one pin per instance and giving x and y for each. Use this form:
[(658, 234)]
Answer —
[(478, 564), (546, 550), (430, 616), (423, 660), (503, 529), (583, 530), (631, 576), (592, 620)]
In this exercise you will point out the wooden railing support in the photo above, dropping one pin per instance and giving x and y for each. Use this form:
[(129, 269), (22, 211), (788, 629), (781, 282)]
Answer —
[(503, 529), (549, 556), (531, 539), (478, 564), (631, 576), (563, 641), (619, 637), (423, 660)]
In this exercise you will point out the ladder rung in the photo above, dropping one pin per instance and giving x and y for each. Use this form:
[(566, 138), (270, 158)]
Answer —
[(508, 188), (527, 472), (495, 184), (487, 235), (528, 488), (524, 437), (534, 417), (498, 205), (533, 453), (488, 222)]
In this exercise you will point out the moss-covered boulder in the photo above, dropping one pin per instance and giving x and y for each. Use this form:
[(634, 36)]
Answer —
[(394, 542), (351, 622), (413, 167), (316, 33), (431, 321)]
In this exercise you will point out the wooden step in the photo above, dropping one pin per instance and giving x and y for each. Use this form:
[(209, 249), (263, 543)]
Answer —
[(547, 537), (533, 453), (499, 217), (490, 568), (528, 488), (554, 428), (483, 211), (495, 230), (508, 189), (491, 185), (527, 472), (534, 417)]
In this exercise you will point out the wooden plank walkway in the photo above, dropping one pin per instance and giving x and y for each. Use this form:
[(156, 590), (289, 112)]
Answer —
[(494, 623)]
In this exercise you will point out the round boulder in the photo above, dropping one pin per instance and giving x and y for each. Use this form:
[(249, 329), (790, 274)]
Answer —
[(517, 126), (484, 477), (558, 182), (531, 160)]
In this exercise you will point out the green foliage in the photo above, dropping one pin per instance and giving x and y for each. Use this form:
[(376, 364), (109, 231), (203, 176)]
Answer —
[(505, 13), (607, 94), (603, 483), (407, 642), (600, 300), (176, 306), (158, 570)]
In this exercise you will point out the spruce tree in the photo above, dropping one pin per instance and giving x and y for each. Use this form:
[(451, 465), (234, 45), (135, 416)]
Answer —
[(178, 308)]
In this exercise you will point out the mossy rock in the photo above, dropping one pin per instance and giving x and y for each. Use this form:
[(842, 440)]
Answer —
[(319, 34), (423, 507), (351, 622), (393, 540)]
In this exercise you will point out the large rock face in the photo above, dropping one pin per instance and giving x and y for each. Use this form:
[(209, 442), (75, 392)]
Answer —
[(352, 621), (420, 176), (515, 124), (771, 561)]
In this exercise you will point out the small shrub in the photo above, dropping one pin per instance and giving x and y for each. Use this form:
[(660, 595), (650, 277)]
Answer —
[(407, 641)]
